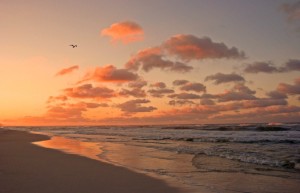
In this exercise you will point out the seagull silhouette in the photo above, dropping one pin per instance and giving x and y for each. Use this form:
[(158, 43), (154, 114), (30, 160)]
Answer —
[(74, 46)]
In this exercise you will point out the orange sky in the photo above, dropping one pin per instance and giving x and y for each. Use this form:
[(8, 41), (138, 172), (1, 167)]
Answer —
[(202, 62)]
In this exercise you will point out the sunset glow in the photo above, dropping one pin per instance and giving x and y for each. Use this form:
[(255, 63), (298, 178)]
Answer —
[(149, 62)]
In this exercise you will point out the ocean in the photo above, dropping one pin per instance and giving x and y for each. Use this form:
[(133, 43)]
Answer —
[(199, 158)]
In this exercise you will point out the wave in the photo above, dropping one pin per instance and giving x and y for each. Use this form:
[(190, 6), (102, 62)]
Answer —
[(265, 128), (248, 157)]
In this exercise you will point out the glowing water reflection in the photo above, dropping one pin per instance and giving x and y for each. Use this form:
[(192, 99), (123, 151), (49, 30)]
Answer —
[(71, 146)]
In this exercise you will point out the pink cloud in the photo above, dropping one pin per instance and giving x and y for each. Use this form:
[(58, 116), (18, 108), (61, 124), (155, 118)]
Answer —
[(110, 73), (125, 32), (151, 58), (184, 47), (67, 70), (190, 47)]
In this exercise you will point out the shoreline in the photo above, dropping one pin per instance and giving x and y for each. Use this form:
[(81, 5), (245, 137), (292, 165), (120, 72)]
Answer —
[(27, 168)]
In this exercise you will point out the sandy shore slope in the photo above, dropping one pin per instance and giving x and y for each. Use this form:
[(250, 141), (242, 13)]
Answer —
[(26, 168)]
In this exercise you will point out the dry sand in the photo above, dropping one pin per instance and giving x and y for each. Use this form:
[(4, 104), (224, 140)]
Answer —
[(26, 168)]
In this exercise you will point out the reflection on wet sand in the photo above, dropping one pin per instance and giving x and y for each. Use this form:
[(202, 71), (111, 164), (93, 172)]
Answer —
[(158, 164), (87, 149)]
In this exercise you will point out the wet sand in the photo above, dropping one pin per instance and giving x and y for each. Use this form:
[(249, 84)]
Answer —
[(27, 168)]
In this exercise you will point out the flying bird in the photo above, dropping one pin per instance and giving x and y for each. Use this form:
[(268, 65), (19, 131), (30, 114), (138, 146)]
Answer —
[(74, 46)]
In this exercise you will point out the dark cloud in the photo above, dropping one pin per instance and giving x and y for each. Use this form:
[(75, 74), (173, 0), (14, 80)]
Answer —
[(196, 87), (292, 10), (135, 89), (179, 82), (266, 67), (235, 96), (206, 101), (264, 102), (135, 106), (267, 114), (136, 92), (160, 92), (241, 87), (269, 67), (208, 96), (184, 96), (250, 104), (138, 84), (237, 93), (159, 85), (160, 89), (189, 47), (181, 67), (181, 102), (276, 95), (185, 85), (291, 89), (220, 78), (292, 65)]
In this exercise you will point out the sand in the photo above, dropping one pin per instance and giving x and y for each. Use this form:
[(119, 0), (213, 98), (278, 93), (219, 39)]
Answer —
[(27, 168)]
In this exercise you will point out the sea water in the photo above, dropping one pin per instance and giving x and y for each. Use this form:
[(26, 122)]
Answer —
[(199, 158)]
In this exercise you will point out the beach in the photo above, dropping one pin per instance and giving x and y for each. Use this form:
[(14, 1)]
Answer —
[(27, 168), (253, 158)]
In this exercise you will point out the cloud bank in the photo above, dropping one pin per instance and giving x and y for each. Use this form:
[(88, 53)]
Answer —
[(269, 67), (184, 48)]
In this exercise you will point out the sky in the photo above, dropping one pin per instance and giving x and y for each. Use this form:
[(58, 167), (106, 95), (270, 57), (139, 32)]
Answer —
[(149, 62)]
